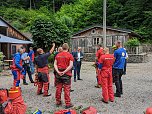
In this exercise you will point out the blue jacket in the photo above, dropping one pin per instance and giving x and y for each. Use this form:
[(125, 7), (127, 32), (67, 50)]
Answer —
[(17, 61)]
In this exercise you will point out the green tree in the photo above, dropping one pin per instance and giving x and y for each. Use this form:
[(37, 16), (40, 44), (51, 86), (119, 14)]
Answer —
[(47, 30)]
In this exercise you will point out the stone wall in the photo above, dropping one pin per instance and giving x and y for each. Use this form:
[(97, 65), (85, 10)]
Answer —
[(90, 57), (138, 58), (132, 58)]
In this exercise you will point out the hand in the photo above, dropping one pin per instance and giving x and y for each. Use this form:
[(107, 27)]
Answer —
[(28, 58), (60, 73), (53, 44)]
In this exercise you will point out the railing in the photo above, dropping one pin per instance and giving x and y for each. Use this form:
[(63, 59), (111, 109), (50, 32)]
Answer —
[(144, 48)]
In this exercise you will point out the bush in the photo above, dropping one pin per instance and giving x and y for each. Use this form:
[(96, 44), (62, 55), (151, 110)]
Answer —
[(51, 58), (132, 42)]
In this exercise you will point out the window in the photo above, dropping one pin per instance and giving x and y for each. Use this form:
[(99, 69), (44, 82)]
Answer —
[(3, 30), (93, 31), (96, 41)]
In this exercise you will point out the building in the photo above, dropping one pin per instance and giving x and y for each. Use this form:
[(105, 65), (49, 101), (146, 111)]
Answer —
[(11, 39), (90, 37)]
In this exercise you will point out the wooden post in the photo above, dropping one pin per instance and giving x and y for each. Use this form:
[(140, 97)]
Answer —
[(104, 23)]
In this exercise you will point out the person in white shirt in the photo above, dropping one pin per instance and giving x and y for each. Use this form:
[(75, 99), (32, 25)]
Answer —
[(79, 62)]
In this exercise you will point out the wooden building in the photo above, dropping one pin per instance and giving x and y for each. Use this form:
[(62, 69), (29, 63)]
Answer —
[(11, 39), (90, 37)]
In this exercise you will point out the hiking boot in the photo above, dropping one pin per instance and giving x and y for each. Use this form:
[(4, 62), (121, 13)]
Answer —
[(70, 106)]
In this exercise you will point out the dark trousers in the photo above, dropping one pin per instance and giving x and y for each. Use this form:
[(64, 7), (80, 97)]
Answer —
[(124, 71), (28, 70), (77, 68), (117, 73)]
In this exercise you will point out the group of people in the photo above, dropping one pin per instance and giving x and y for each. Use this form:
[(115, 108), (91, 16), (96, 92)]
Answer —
[(110, 68), (64, 62), (22, 64)]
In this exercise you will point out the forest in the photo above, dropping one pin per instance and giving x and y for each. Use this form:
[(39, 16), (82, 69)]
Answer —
[(68, 16)]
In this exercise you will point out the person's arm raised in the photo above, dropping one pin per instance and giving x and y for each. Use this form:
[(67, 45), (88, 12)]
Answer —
[(52, 49)]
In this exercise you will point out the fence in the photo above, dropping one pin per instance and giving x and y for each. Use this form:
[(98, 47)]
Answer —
[(144, 48)]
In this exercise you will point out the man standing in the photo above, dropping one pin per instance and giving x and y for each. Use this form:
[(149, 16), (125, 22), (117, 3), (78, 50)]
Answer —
[(32, 56), (42, 70), (99, 53), (120, 56), (59, 50), (26, 66), (75, 56), (105, 71), (17, 68), (79, 62), (63, 65)]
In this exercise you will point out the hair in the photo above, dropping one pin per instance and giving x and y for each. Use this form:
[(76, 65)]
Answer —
[(31, 48), (20, 49), (60, 49), (118, 42), (106, 50), (65, 46), (100, 45), (23, 47), (39, 50)]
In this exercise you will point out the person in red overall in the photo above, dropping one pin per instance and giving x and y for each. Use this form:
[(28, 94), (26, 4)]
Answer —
[(99, 53), (105, 71), (63, 64), (42, 71), (17, 68)]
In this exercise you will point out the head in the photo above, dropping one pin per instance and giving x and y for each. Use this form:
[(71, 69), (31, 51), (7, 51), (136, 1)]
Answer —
[(20, 50), (40, 51), (118, 44), (106, 50), (31, 48), (149, 110), (65, 47), (99, 46), (75, 50), (79, 49), (60, 49), (24, 49)]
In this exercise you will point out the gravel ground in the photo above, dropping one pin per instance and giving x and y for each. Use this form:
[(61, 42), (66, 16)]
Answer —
[(136, 98)]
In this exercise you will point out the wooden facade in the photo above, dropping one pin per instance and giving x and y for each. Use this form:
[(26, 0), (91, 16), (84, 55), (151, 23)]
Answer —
[(89, 38), (7, 30)]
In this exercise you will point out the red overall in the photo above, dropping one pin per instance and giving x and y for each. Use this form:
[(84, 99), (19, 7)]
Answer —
[(45, 84), (98, 55), (63, 60), (16, 71), (107, 61)]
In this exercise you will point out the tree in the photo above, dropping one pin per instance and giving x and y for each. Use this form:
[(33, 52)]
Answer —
[(47, 30)]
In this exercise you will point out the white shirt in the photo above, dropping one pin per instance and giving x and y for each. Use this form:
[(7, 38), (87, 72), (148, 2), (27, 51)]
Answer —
[(79, 56)]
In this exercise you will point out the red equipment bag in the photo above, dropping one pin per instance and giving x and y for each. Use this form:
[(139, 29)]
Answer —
[(90, 110), (12, 101), (149, 110), (65, 112)]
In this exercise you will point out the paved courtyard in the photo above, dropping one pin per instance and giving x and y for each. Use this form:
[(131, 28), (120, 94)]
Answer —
[(136, 98)]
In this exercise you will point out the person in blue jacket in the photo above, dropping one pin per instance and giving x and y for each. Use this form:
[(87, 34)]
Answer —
[(32, 56), (17, 68)]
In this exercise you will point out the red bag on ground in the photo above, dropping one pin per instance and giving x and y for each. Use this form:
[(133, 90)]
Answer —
[(90, 110), (149, 110), (65, 111), (12, 101)]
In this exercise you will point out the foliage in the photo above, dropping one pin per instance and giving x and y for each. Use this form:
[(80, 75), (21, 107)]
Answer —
[(132, 42), (1, 60), (135, 15), (47, 30)]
